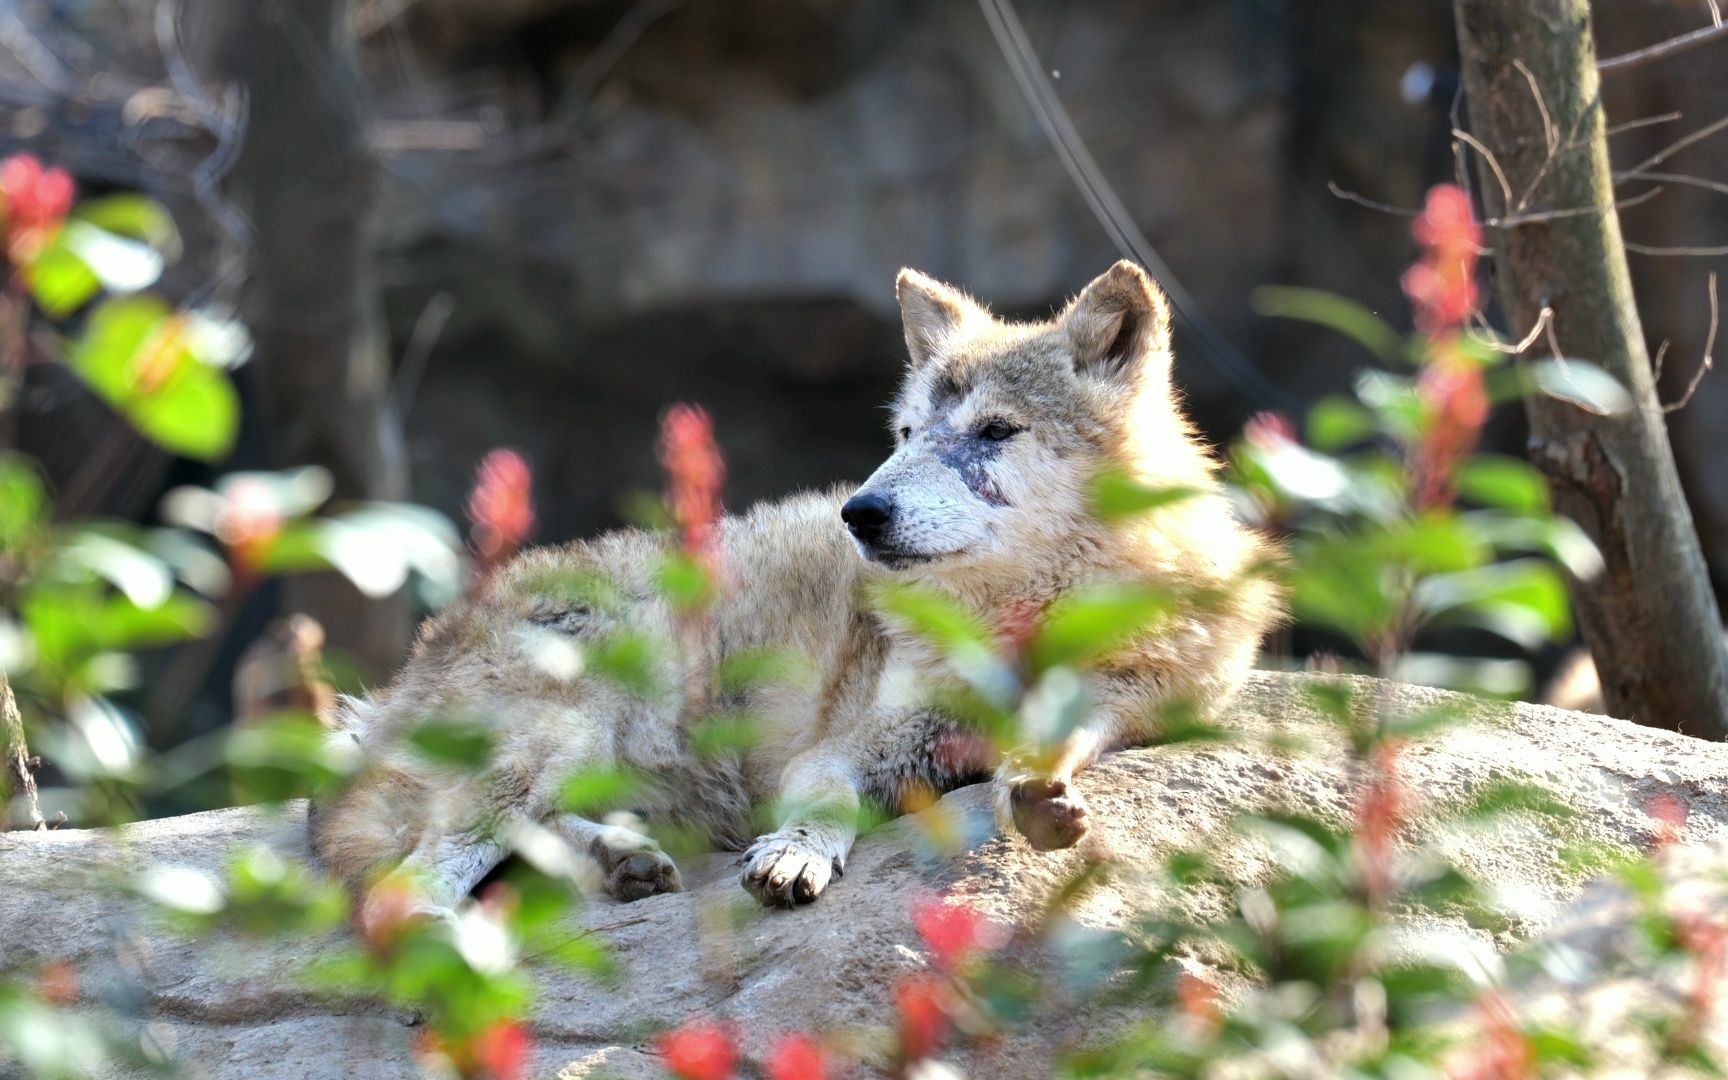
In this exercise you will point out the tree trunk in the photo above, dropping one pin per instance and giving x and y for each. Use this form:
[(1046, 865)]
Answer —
[(17, 778), (306, 178), (1650, 618)]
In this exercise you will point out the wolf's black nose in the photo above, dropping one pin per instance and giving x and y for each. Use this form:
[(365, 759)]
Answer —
[(867, 516)]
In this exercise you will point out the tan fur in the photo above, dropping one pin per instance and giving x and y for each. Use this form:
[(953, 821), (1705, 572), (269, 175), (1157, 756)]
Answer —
[(1085, 391)]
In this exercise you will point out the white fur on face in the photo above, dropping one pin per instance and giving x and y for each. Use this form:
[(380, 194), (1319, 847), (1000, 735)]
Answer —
[(958, 498)]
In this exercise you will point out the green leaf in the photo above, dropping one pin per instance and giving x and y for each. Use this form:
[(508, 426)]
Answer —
[(1335, 423), (134, 217), (461, 744), (683, 581), (24, 507), (60, 279), (933, 616), (724, 733), (627, 659), (287, 755), (1505, 482), (591, 793), (1090, 623), (135, 355), (1116, 496), (1347, 317), (1497, 596), (1578, 381)]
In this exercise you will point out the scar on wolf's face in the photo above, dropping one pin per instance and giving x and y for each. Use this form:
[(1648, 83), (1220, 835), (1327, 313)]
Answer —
[(969, 454)]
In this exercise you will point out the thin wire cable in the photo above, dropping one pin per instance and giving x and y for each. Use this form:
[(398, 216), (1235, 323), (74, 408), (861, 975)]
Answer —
[(1101, 198)]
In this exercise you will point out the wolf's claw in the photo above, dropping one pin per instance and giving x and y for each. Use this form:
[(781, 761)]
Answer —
[(783, 871), (1048, 813)]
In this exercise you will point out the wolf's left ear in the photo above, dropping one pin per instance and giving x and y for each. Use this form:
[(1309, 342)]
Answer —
[(1119, 326), (931, 312)]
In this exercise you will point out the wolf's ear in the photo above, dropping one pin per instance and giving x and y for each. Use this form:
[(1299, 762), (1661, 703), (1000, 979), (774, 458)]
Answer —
[(930, 311), (1119, 326)]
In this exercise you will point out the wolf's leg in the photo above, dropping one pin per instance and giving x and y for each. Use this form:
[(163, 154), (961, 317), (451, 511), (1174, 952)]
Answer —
[(446, 868), (1044, 806), (793, 864), (634, 865)]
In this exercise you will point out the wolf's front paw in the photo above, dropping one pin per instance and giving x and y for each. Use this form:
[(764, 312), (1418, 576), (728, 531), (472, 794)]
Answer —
[(635, 866), (784, 870), (1048, 813)]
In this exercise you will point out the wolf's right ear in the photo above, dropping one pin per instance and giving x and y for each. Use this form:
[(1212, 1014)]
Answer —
[(930, 312)]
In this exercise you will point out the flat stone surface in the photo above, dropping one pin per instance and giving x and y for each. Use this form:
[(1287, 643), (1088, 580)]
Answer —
[(234, 1008)]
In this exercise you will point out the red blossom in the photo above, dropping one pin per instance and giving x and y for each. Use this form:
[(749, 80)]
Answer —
[(1197, 999), (501, 506), (694, 472), (698, 1050), (1380, 814), (1269, 430), (797, 1057), (390, 908), (923, 1020), (1501, 1050), (36, 201), (954, 933), (1705, 940), (57, 983), (248, 522), (1455, 402), (1670, 814), (1442, 285), (500, 1052)]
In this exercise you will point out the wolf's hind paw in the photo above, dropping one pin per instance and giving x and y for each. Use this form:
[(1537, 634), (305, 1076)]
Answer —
[(785, 871), (636, 868)]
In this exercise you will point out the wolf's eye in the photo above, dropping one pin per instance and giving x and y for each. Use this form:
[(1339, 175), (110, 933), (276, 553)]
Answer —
[(997, 431), (905, 433)]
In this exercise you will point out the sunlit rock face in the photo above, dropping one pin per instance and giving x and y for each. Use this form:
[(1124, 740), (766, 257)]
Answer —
[(232, 1008)]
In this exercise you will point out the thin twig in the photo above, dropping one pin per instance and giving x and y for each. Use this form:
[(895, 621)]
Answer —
[(1487, 155), (1704, 365), (1529, 339), (1661, 359), (1715, 12), (1674, 178), (1671, 47), (1634, 125), (1550, 134), (1679, 144), (1363, 200), (1677, 252), (1575, 211)]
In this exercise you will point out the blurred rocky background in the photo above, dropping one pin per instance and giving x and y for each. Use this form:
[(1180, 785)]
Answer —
[(459, 224)]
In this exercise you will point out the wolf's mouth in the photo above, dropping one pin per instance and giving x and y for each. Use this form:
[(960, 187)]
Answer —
[(900, 559)]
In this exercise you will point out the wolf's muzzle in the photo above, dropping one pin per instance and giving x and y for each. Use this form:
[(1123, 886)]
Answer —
[(867, 517)]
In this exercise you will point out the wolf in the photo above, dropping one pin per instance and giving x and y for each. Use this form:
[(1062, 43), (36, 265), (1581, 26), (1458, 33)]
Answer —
[(1000, 429)]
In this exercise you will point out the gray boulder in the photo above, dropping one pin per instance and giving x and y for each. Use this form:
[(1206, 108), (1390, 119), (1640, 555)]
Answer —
[(234, 1008)]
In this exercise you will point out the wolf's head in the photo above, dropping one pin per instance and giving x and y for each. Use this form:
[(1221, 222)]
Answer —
[(1000, 428)]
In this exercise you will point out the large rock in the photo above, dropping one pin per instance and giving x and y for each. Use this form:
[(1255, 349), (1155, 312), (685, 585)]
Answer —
[(234, 1009)]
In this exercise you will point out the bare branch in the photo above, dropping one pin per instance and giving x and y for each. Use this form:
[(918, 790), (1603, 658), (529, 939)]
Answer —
[(1363, 200), (1644, 122), (1671, 47), (1704, 365), (1492, 341), (1683, 252), (1487, 155), (1674, 178), (1679, 144), (1575, 211), (1715, 12)]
